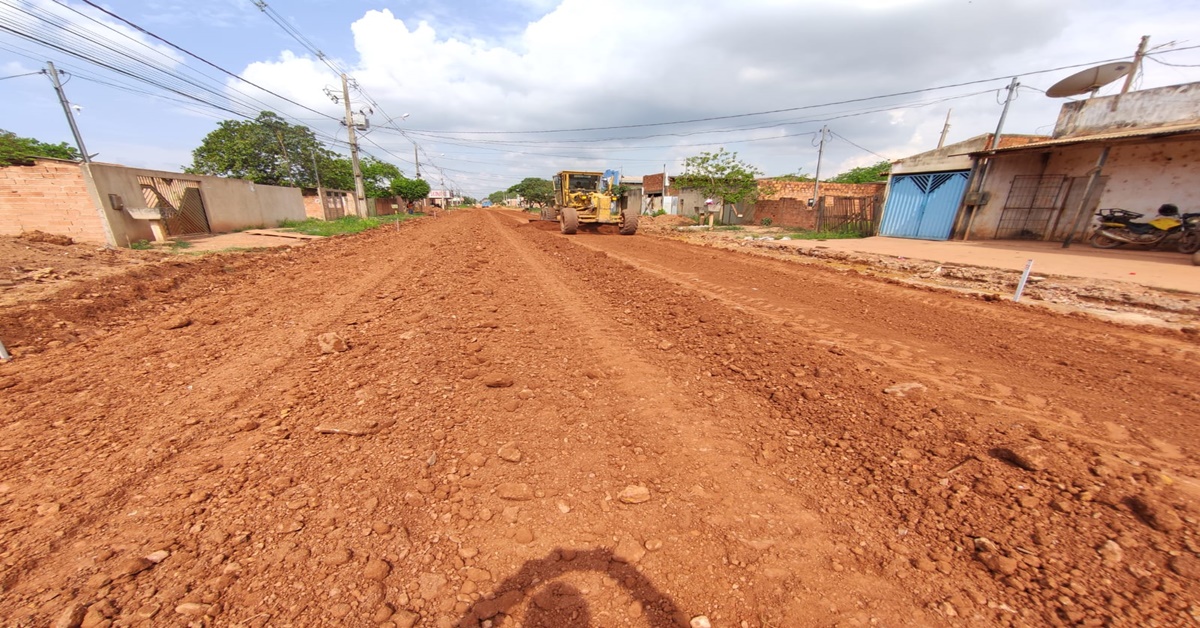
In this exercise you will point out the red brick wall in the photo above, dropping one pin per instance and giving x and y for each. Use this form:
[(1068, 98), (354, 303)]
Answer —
[(653, 184), (804, 189), (787, 204), (49, 196), (787, 212)]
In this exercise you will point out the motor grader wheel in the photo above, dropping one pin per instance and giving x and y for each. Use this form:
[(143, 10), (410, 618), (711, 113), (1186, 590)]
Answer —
[(568, 220), (549, 213), (629, 221)]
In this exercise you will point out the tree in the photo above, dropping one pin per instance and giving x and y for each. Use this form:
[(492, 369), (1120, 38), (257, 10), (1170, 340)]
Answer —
[(470, 200), (21, 151), (265, 150), (534, 191), (411, 190), (798, 177), (378, 177), (720, 176), (865, 174), (498, 197)]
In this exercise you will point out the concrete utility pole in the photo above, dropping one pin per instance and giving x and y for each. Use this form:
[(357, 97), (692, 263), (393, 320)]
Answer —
[(817, 177), (62, 98), (1137, 63), (945, 129), (993, 145), (360, 192)]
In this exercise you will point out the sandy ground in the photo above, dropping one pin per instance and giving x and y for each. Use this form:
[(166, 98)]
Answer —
[(471, 421)]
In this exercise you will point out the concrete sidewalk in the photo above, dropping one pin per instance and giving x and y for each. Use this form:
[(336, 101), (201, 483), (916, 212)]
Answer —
[(1167, 270)]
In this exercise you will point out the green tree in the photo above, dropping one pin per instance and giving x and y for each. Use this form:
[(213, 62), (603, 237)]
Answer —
[(378, 177), (864, 174), (411, 190), (498, 197), (265, 150), (798, 177), (534, 191), (720, 175), (21, 151), (470, 200)]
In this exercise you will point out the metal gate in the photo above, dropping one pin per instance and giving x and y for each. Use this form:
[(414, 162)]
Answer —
[(180, 201), (923, 206)]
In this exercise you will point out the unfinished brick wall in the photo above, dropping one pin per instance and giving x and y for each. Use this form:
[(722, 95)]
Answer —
[(804, 189), (786, 212), (787, 204), (49, 196)]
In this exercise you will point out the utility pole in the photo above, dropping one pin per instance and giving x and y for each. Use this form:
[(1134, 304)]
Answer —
[(417, 160), (62, 98), (993, 145), (817, 178), (360, 193), (1137, 63), (945, 129)]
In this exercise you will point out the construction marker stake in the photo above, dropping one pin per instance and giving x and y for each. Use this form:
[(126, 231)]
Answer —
[(4, 357), (1024, 279)]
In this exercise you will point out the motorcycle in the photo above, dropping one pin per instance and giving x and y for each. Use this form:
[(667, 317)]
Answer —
[(1189, 240), (1117, 227)]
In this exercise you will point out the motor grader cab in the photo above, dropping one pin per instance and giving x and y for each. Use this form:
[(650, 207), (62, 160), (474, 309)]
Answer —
[(586, 198)]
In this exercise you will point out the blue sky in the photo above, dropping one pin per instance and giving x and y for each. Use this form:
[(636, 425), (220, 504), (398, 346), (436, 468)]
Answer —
[(467, 70)]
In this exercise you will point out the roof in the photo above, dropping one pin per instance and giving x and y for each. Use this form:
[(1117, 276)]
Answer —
[(1114, 136)]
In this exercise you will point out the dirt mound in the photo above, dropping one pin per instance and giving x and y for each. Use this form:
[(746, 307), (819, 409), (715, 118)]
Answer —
[(42, 236), (664, 222)]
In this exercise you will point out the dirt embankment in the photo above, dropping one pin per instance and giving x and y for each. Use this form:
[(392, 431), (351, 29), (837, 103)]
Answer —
[(471, 420)]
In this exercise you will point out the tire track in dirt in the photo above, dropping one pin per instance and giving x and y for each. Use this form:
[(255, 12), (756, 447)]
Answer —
[(797, 539), (978, 377)]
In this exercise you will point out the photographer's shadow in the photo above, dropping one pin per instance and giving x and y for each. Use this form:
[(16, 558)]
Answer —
[(561, 605)]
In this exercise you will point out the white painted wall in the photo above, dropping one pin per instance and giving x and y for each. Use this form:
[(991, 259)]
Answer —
[(1141, 177)]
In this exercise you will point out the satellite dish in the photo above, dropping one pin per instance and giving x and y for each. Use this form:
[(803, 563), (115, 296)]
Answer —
[(1089, 80)]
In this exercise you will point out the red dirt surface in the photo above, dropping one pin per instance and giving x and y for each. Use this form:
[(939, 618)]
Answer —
[(471, 421)]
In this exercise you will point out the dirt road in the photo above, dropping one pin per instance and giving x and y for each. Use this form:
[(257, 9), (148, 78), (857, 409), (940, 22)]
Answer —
[(517, 428)]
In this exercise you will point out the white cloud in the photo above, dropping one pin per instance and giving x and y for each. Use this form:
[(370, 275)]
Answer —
[(588, 63)]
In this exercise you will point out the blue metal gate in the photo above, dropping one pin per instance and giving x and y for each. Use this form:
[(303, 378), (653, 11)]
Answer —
[(923, 205)]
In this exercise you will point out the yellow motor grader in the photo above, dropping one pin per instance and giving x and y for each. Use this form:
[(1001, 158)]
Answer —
[(585, 199)]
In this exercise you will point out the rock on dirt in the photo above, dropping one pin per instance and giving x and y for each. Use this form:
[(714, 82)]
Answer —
[(1157, 515), (1027, 456), (331, 342), (628, 551), (634, 495), (496, 380), (514, 491), (510, 452), (177, 322)]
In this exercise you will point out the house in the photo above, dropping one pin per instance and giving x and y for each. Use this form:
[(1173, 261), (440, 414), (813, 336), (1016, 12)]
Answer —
[(925, 191), (1134, 151), (116, 205)]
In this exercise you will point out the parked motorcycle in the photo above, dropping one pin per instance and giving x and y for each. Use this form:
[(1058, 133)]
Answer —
[(1189, 240), (1117, 227)]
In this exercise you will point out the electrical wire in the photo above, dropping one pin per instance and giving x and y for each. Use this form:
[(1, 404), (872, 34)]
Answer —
[(5, 78)]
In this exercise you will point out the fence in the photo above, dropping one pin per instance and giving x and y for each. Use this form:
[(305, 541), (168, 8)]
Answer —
[(856, 214)]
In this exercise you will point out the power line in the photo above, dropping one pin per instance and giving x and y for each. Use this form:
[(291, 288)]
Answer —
[(202, 59), (5, 78), (835, 134)]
